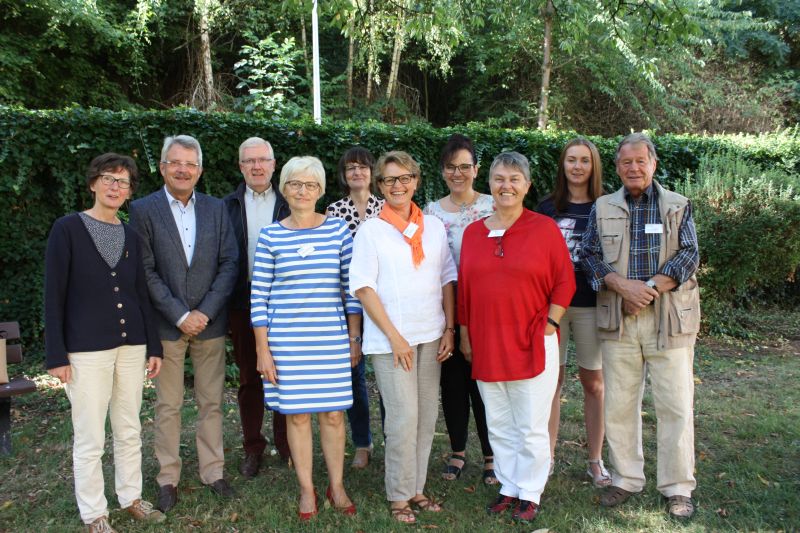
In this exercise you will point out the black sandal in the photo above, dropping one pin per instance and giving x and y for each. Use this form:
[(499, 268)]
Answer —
[(452, 472), (489, 477)]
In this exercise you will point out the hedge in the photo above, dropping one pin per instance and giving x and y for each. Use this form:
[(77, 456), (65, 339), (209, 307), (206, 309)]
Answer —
[(43, 155)]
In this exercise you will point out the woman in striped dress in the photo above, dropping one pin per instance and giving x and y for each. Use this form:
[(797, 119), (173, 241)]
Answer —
[(303, 339)]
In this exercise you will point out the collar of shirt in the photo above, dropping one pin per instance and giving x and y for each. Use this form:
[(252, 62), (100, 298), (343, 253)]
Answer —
[(253, 195), (171, 199), (648, 194)]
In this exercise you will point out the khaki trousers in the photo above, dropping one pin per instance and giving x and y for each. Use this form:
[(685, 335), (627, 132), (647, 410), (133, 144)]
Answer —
[(412, 405), (208, 360), (106, 382), (625, 363)]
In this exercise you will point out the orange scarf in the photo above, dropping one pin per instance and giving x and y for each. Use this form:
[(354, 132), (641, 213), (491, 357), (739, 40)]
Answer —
[(417, 254)]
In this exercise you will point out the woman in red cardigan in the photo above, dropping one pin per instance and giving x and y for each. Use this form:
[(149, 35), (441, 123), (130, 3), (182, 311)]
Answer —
[(515, 283)]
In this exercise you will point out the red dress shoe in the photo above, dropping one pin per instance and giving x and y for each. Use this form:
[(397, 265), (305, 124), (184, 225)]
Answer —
[(305, 517), (349, 510)]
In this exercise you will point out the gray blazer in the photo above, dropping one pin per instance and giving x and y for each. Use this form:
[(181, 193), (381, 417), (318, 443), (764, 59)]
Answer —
[(176, 287)]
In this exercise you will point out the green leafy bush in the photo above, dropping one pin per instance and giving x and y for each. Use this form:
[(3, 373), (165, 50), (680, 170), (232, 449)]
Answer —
[(43, 155), (747, 219)]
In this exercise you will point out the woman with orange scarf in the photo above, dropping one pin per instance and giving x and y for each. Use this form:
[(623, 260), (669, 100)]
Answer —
[(402, 271)]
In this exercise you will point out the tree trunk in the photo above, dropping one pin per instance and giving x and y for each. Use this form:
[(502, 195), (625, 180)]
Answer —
[(399, 43), (207, 95), (547, 15), (371, 53), (350, 52), (305, 49)]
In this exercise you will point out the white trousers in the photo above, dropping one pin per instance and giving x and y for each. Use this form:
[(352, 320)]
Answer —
[(625, 363), (517, 413), (103, 383)]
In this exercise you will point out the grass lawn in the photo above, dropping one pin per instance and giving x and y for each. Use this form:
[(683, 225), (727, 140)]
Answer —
[(747, 444)]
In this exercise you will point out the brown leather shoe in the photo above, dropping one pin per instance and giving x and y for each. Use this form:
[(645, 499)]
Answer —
[(222, 488), (167, 497), (250, 465), (143, 510), (614, 496), (361, 458), (680, 507), (100, 525)]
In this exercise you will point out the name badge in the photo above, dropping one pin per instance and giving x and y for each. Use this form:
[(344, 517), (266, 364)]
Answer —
[(497, 233), (410, 230), (654, 228), (305, 250)]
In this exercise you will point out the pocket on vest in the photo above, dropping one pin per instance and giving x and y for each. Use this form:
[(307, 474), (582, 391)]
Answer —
[(684, 309), (611, 239), (607, 311)]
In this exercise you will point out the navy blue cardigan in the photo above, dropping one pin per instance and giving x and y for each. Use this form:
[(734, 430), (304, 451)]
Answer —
[(88, 305)]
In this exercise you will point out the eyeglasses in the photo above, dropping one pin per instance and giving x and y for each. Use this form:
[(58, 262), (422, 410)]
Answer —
[(349, 169), (178, 164), (498, 249), (106, 179), (405, 179), (451, 169), (296, 186), (263, 161)]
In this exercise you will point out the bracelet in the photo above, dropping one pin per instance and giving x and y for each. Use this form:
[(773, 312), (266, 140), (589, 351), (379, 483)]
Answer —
[(451, 330), (553, 323)]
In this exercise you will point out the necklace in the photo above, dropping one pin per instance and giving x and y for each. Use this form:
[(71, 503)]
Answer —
[(462, 207)]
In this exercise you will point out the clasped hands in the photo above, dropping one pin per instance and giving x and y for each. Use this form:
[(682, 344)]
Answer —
[(194, 324)]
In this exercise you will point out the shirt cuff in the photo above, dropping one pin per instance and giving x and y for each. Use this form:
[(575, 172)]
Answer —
[(181, 319)]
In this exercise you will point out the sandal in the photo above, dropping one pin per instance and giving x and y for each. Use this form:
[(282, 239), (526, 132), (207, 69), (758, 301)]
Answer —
[(614, 496), (680, 507), (489, 477), (404, 515), (601, 480), (423, 503), (452, 472)]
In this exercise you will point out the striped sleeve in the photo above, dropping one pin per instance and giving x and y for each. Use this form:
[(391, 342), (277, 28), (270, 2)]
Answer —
[(263, 276), (352, 304)]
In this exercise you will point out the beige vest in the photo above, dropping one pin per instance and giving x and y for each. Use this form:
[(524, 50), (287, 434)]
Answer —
[(677, 311)]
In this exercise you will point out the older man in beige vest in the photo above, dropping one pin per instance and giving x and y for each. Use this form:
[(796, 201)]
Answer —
[(640, 253)]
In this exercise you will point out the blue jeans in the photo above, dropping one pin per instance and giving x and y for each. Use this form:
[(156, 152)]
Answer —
[(358, 415)]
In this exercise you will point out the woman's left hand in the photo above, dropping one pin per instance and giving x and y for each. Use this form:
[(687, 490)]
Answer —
[(446, 346), (355, 353), (153, 366)]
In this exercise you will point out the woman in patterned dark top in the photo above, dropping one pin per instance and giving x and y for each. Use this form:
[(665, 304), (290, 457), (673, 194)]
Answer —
[(100, 335), (355, 177), (579, 182)]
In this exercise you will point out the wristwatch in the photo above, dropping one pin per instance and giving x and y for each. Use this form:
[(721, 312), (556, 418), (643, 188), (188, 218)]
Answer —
[(356, 339), (553, 323), (652, 284)]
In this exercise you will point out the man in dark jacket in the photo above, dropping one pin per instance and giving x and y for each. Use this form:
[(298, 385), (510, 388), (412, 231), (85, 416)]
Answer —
[(254, 204)]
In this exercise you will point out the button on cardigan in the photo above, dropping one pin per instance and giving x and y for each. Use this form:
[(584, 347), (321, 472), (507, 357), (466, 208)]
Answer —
[(88, 305)]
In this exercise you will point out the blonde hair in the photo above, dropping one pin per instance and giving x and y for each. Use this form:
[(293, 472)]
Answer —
[(398, 157)]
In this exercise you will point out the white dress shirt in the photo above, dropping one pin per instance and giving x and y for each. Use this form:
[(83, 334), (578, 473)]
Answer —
[(258, 208), (186, 222)]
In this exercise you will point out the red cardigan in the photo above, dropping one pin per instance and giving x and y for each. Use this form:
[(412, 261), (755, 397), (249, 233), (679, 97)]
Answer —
[(504, 301)]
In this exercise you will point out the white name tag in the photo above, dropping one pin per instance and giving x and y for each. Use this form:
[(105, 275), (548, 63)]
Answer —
[(497, 233), (654, 228), (305, 250), (410, 230)]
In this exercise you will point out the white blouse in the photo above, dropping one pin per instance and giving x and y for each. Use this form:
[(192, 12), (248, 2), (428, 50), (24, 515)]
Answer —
[(412, 297), (456, 223)]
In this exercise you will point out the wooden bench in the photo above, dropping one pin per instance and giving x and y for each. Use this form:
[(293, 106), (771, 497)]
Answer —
[(16, 386)]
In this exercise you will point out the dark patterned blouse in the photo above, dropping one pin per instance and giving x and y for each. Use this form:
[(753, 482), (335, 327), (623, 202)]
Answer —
[(346, 209)]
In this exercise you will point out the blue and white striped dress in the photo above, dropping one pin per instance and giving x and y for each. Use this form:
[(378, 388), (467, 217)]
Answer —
[(298, 279)]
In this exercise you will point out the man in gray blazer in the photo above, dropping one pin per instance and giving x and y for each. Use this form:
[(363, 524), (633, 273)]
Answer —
[(190, 260)]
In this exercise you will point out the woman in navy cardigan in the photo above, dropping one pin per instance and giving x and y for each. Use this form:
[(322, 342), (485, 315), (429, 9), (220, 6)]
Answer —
[(100, 335)]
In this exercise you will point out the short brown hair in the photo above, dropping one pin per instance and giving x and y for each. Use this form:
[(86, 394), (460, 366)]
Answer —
[(398, 157), (111, 162)]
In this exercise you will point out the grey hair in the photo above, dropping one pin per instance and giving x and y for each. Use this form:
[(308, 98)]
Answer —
[(637, 138), (254, 141), (187, 141), (306, 165), (512, 160)]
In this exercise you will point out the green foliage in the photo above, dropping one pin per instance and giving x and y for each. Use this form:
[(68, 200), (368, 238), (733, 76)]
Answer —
[(746, 219), (43, 155), (267, 71)]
